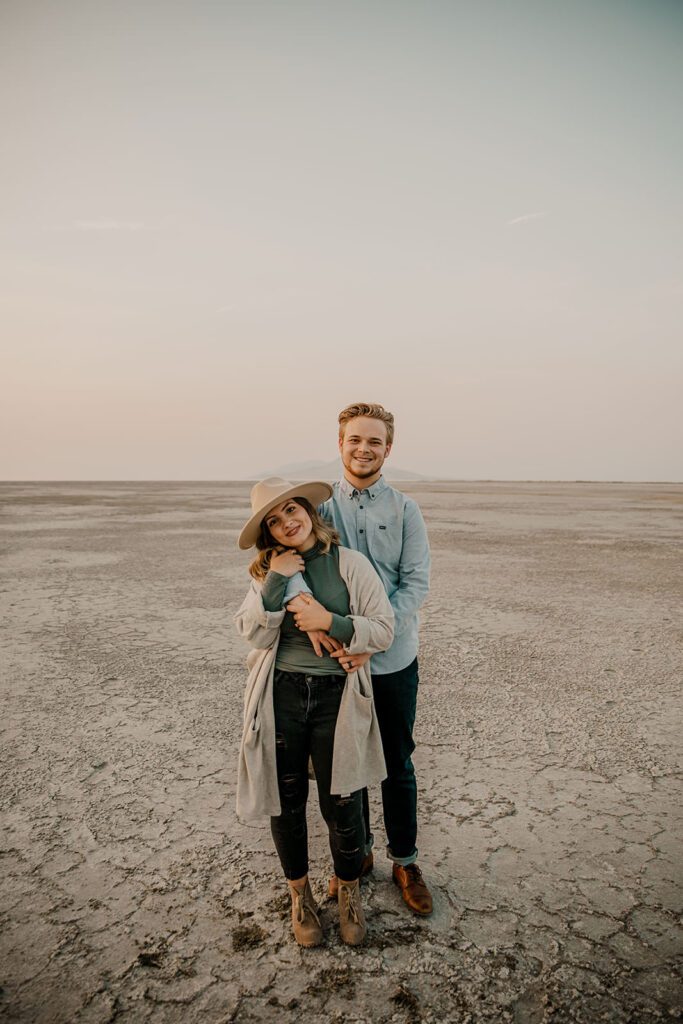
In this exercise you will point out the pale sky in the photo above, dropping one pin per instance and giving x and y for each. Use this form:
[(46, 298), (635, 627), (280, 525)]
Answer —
[(220, 222)]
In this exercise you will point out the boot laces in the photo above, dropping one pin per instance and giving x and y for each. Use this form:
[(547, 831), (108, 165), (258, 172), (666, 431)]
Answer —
[(302, 905), (349, 896)]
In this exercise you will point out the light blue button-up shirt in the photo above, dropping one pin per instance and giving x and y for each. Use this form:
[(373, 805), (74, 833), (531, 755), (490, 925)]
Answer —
[(388, 528)]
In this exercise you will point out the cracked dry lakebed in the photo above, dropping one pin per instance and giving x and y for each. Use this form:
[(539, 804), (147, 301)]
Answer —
[(548, 741)]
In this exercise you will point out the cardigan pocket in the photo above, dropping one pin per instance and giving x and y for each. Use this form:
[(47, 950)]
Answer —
[(362, 711), (252, 735)]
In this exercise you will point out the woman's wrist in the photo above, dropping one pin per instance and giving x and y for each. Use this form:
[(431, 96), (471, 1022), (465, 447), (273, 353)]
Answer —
[(274, 575)]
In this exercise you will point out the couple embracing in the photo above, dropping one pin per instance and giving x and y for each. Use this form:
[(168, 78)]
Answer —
[(332, 618)]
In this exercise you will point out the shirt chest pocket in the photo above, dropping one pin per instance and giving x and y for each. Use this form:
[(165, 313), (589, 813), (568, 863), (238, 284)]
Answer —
[(386, 540)]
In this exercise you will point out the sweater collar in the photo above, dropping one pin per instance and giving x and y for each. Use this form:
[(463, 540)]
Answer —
[(312, 552)]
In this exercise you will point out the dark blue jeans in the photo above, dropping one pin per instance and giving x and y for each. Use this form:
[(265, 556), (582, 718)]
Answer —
[(396, 702), (306, 709)]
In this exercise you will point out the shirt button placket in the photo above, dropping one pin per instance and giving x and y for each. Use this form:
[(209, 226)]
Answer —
[(362, 528)]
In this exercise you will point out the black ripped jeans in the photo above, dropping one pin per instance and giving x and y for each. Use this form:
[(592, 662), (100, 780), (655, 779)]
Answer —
[(306, 709)]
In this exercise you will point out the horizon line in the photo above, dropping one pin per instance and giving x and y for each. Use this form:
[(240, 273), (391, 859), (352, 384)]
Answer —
[(422, 480)]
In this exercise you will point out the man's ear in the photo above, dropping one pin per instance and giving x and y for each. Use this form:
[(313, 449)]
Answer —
[(340, 439), (386, 454)]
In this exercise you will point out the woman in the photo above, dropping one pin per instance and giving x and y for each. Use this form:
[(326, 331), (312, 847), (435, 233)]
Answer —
[(301, 704)]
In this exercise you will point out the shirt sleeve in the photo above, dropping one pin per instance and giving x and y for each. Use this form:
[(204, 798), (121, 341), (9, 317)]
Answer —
[(296, 585), (273, 591), (413, 584), (341, 628)]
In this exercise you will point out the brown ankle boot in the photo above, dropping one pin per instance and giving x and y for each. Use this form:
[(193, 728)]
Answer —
[(305, 921), (351, 917)]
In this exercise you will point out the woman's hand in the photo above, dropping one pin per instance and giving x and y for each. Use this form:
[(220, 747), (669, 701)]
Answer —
[(309, 614), (350, 662), (287, 562), (322, 640)]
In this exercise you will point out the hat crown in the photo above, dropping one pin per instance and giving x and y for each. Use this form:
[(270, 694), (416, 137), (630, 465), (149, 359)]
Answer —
[(267, 491)]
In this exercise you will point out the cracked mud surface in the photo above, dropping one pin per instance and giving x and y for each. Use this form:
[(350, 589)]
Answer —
[(548, 762)]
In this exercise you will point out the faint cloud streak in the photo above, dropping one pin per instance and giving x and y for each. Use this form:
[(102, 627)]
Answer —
[(527, 216)]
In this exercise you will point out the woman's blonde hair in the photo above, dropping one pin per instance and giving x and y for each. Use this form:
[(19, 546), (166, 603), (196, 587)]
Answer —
[(324, 533)]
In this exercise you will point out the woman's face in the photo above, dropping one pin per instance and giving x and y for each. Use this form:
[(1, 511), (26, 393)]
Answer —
[(291, 526)]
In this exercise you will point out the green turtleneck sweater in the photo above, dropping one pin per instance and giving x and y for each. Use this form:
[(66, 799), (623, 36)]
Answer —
[(295, 652)]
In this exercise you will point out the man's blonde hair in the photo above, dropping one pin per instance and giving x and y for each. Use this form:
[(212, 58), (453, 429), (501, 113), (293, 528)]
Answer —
[(371, 409)]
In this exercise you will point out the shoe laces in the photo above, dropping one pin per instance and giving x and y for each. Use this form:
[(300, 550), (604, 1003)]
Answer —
[(415, 881), (349, 895), (302, 905)]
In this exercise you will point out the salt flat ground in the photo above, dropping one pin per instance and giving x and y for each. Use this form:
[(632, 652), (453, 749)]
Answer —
[(548, 738)]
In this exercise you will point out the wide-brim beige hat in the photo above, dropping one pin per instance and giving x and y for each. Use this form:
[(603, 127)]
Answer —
[(268, 493)]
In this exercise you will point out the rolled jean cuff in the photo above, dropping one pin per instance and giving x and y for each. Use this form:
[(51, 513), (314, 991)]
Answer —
[(402, 861)]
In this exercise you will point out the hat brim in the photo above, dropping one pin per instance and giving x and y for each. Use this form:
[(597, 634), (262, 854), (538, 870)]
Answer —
[(315, 491)]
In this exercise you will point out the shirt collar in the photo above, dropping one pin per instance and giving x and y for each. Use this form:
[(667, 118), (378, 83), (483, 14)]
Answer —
[(349, 491)]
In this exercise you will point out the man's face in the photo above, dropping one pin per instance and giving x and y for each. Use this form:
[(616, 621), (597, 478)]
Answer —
[(364, 447)]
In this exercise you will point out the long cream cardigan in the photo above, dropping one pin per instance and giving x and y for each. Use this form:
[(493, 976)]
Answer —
[(357, 758)]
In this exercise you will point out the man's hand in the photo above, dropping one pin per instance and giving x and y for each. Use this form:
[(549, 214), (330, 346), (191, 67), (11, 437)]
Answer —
[(350, 662), (287, 562), (321, 640), (309, 614)]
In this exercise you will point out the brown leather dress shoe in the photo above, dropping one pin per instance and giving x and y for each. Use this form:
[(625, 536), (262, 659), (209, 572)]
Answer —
[(413, 888), (365, 869)]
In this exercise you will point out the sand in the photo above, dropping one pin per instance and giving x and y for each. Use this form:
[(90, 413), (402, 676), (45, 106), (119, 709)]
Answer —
[(548, 751)]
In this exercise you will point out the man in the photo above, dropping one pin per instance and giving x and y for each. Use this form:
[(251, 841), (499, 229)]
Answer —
[(387, 526)]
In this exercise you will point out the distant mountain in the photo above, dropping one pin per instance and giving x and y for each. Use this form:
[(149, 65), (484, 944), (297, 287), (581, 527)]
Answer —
[(332, 471)]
